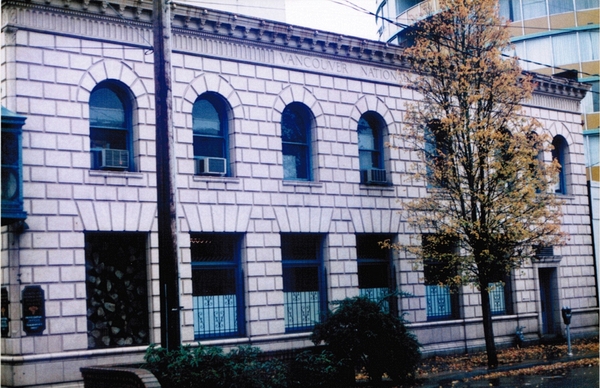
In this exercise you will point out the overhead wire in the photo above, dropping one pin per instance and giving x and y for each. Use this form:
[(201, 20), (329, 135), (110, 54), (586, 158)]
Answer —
[(402, 25)]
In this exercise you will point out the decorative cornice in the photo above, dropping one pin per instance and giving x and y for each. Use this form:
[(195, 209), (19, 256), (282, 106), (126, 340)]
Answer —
[(132, 21)]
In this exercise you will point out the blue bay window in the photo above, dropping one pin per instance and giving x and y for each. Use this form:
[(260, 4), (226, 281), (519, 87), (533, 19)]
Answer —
[(217, 291), (12, 168), (303, 280)]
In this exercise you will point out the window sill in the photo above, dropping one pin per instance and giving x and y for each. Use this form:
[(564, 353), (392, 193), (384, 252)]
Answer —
[(301, 183), (117, 174), (388, 187), (208, 178)]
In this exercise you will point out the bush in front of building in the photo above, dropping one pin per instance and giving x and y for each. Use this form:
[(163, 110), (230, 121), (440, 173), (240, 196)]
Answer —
[(210, 367), (362, 336), (315, 369)]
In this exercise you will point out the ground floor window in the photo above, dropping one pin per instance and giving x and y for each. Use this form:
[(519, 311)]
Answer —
[(500, 296), (303, 280), (116, 285), (375, 278), (441, 299), (217, 292)]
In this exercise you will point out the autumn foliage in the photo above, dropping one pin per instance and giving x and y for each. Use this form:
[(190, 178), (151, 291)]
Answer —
[(487, 186)]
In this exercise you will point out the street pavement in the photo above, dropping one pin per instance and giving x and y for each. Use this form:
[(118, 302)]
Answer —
[(575, 378), (586, 377)]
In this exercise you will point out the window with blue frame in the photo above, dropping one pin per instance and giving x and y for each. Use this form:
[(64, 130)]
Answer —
[(110, 127), (304, 288), (210, 128), (376, 280), (436, 148), (370, 149), (12, 168), (560, 153), (500, 296), (441, 299), (217, 291), (296, 127)]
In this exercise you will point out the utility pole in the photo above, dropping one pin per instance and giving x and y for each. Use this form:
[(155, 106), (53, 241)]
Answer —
[(170, 334)]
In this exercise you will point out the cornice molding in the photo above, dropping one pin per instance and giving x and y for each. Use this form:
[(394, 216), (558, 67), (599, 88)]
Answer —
[(129, 22)]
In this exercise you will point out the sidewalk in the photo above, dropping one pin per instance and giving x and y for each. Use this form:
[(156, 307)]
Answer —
[(457, 379)]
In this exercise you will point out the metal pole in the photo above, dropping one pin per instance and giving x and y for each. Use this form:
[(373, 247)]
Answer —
[(569, 352), (165, 179)]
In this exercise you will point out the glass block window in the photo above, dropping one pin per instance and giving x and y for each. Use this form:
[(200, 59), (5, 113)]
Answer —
[(217, 292), (296, 126), (375, 279), (110, 127), (303, 280), (210, 129)]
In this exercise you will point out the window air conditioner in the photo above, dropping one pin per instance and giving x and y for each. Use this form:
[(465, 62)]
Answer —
[(114, 159), (212, 166), (373, 176)]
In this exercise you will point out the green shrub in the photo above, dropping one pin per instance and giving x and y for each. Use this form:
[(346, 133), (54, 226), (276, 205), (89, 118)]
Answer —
[(361, 335), (209, 367), (313, 369)]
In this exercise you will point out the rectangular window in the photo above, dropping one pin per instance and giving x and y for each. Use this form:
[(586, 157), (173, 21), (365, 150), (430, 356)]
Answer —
[(564, 48), (217, 292), (586, 4), (116, 285), (441, 299), (588, 43), (510, 9), (375, 280), (534, 9), (537, 50), (500, 297), (303, 280), (560, 6)]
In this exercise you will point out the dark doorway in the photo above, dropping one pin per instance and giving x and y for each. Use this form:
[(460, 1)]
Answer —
[(548, 299)]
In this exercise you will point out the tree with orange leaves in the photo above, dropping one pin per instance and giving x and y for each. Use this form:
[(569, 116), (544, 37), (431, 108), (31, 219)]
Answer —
[(488, 192)]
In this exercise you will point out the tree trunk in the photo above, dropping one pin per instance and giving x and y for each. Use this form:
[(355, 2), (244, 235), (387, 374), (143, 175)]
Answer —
[(488, 328)]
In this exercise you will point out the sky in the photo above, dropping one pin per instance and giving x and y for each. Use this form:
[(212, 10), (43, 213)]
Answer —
[(340, 16), (334, 15)]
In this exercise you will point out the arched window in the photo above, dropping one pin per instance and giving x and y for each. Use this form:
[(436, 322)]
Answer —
[(209, 123), (110, 127), (296, 124), (560, 153), (370, 149)]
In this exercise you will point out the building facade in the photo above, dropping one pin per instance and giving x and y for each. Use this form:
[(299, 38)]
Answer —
[(284, 188)]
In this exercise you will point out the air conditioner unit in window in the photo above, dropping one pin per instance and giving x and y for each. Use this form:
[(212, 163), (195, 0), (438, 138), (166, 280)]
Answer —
[(212, 166), (373, 177), (114, 159)]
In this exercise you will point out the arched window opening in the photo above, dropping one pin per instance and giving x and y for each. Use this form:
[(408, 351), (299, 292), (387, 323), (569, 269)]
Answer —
[(296, 125), (209, 124), (370, 149), (110, 128), (560, 154)]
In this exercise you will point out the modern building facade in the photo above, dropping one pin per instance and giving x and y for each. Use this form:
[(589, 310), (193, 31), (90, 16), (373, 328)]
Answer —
[(284, 188)]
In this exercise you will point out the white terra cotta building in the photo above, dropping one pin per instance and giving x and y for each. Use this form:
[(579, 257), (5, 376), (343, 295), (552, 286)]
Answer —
[(284, 186)]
